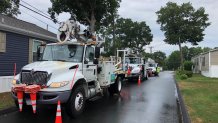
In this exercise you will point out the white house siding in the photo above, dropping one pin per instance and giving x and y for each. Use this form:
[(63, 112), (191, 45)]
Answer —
[(214, 71), (5, 83), (205, 73)]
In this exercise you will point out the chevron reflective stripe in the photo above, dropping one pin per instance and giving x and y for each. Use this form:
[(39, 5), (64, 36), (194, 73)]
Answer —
[(58, 108), (34, 108), (34, 105), (58, 114), (33, 102), (20, 100), (20, 107)]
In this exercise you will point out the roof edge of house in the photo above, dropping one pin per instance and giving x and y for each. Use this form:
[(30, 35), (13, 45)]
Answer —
[(212, 50), (4, 27)]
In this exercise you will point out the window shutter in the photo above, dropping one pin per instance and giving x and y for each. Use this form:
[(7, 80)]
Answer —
[(2, 42)]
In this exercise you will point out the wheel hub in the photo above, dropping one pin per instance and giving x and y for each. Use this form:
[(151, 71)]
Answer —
[(79, 101), (119, 85)]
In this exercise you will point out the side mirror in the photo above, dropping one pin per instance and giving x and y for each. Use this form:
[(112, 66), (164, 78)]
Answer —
[(97, 52), (95, 61)]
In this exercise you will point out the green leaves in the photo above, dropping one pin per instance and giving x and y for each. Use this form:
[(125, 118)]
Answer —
[(91, 12), (182, 21), (134, 35), (9, 7)]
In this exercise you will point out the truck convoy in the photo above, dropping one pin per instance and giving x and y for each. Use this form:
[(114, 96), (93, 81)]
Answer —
[(70, 71), (135, 67), (152, 67)]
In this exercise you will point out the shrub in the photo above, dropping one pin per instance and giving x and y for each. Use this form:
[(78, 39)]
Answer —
[(181, 72), (188, 73), (188, 65), (183, 76)]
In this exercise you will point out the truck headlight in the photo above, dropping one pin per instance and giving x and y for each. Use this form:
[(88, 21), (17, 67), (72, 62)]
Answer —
[(58, 84), (15, 81)]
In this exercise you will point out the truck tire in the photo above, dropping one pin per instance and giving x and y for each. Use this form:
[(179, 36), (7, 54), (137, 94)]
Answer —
[(116, 87), (76, 103)]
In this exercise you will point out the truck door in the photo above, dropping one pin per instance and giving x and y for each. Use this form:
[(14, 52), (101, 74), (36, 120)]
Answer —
[(89, 68)]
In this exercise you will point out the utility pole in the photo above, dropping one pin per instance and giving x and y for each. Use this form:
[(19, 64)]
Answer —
[(151, 49)]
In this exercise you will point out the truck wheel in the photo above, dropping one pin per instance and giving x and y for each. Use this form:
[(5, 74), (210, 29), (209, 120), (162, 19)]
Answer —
[(116, 87), (76, 103)]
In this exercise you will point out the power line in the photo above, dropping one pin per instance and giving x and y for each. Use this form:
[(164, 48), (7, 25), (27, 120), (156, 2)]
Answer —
[(35, 8), (39, 20), (36, 12)]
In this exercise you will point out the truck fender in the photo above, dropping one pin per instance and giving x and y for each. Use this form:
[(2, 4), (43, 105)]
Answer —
[(81, 81)]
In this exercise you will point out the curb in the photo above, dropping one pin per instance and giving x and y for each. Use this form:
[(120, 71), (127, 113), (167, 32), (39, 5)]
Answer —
[(183, 113), (8, 110)]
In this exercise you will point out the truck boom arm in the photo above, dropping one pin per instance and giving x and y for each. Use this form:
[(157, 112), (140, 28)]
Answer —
[(72, 29)]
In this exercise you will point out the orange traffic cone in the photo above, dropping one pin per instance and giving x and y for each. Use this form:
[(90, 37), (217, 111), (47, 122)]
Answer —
[(139, 80), (20, 99), (58, 113), (33, 101)]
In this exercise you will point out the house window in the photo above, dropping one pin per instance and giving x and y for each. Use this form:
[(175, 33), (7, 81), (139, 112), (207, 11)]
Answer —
[(36, 44), (2, 42), (203, 61)]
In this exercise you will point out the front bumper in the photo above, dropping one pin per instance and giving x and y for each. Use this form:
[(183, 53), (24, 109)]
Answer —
[(133, 75), (47, 97)]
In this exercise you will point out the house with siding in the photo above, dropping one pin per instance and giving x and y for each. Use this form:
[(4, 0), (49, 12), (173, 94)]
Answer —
[(206, 63), (18, 44)]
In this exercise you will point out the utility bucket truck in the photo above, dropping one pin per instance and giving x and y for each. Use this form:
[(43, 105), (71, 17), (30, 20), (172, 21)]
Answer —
[(70, 71), (132, 66), (152, 69)]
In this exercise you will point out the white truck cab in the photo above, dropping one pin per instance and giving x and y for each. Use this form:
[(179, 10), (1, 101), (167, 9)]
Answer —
[(133, 66), (70, 72), (138, 67), (152, 67)]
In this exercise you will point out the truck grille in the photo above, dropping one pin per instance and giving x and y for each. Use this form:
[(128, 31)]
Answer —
[(34, 77)]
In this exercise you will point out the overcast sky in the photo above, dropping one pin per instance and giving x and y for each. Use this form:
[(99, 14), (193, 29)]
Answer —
[(139, 10)]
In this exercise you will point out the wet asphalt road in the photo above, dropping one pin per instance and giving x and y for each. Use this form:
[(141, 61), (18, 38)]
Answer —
[(153, 101)]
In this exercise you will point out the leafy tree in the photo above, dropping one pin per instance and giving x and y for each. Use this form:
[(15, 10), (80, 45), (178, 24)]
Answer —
[(147, 55), (9, 7), (129, 34), (188, 65), (159, 57), (206, 49), (91, 12), (173, 61), (182, 24), (188, 53)]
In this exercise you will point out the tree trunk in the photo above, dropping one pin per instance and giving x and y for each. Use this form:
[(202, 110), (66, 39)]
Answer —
[(92, 22), (181, 55)]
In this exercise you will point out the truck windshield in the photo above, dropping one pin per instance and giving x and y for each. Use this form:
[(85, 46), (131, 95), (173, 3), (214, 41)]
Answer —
[(69, 53), (130, 60)]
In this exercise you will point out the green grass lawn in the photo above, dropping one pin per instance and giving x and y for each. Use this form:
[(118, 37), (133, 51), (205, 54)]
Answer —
[(6, 100), (201, 98)]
